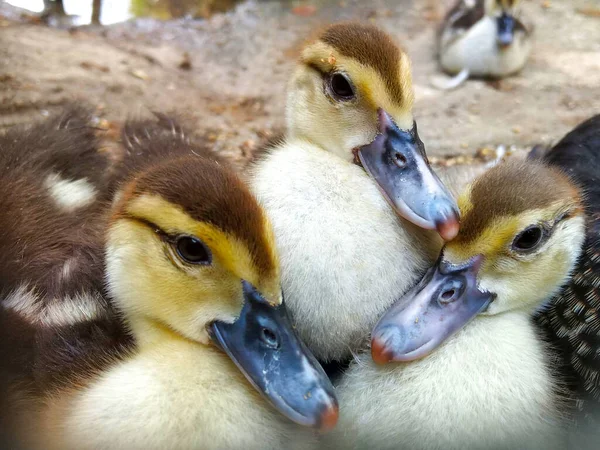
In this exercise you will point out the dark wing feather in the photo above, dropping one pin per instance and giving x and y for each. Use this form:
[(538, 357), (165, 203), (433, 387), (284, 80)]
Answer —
[(36, 236), (573, 317), (65, 144), (578, 154), (463, 16), (459, 19)]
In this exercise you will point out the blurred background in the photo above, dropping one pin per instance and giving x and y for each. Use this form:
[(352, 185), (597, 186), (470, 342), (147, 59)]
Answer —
[(225, 63)]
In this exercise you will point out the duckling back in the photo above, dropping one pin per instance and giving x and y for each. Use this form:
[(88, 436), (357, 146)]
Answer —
[(151, 141), (55, 188)]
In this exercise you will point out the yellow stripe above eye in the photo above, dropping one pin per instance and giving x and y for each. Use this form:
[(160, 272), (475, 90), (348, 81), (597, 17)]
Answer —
[(500, 232), (369, 83), (173, 220), (492, 241), (228, 250)]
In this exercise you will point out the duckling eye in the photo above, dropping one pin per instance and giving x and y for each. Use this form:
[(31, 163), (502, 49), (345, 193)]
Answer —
[(529, 239), (192, 250), (341, 86)]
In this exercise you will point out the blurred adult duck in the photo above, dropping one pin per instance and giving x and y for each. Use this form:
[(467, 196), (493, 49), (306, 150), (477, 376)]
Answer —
[(483, 38)]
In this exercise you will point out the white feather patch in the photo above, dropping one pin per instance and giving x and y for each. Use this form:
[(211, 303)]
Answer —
[(70, 194), (55, 312)]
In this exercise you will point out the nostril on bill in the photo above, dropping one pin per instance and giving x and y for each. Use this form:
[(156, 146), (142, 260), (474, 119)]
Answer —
[(448, 296), (269, 337), (400, 160)]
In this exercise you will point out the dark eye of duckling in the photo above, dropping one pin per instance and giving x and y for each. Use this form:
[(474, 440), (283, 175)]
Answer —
[(529, 239), (192, 250), (341, 87)]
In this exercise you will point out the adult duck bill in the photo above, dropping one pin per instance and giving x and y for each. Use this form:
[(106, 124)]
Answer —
[(396, 160), (506, 29), (264, 346), (445, 300)]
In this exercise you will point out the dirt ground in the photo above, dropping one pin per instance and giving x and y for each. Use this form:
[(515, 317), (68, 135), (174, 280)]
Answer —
[(228, 73)]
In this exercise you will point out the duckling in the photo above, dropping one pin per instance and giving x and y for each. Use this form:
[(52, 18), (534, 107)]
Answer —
[(507, 268), (347, 251), (483, 38), (192, 274), (491, 383), (55, 184)]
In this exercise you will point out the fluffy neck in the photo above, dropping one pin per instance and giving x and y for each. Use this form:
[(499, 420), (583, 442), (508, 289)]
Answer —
[(148, 333), (171, 395), (345, 254), (300, 133), (487, 387)]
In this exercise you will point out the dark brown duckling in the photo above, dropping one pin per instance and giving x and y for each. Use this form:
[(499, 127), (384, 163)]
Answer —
[(55, 188), (187, 307)]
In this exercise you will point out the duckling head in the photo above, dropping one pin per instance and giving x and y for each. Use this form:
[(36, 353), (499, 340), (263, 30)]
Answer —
[(190, 255), (352, 96), (522, 231)]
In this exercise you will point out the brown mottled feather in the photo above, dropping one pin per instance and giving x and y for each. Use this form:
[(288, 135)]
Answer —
[(64, 353), (459, 19), (370, 46), (513, 179), (149, 142), (17, 358)]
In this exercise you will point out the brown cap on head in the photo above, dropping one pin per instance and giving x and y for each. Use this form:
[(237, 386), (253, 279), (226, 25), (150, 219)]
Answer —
[(209, 192), (371, 47), (507, 3), (169, 163), (527, 185), (378, 67)]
